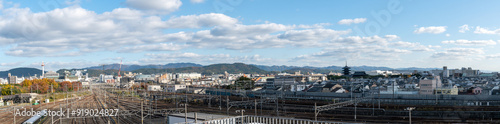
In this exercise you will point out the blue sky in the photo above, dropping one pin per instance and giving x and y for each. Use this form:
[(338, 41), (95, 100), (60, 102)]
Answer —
[(408, 33)]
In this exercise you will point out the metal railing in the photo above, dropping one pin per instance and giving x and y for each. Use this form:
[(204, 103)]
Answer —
[(250, 119)]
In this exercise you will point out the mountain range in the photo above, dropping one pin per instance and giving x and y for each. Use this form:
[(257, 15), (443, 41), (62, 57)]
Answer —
[(208, 69), (20, 72), (135, 67)]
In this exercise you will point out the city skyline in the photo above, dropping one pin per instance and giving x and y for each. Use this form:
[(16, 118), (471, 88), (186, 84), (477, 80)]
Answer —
[(395, 34)]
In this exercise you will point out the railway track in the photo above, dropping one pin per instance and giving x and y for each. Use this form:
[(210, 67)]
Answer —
[(302, 109)]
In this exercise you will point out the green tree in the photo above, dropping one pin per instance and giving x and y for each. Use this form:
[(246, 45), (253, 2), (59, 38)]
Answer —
[(244, 83), (6, 89)]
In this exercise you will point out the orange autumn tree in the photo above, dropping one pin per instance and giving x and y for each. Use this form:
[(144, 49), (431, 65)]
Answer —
[(76, 85), (47, 85), (51, 83), (26, 83), (65, 86), (40, 86)]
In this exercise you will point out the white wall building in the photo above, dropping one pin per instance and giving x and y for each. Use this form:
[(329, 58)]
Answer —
[(3, 81), (379, 72), (154, 88), (188, 75), (427, 86), (107, 78), (395, 90), (174, 88)]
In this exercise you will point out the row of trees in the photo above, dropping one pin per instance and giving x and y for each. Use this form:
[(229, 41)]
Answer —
[(40, 86), (242, 83)]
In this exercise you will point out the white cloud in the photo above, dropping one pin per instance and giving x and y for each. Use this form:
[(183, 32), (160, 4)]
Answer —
[(205, 59), (374, 54), (493, 56), (155, 6), (480, 30), (115, 58), (470, 42), (312, 34), (197, 1), (375, 49), (447, 35), (74, 2), (464, 28), (153, 47), (54, 66), (11, 64), (198, 21), (248, 37), (73, 31), (431, 29), (319, 25), (248, 30), (357, 40), (459, 54), (352, 21), (417, 47)]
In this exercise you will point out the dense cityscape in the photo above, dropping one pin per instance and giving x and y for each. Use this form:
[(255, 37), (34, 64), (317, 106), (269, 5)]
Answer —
[(249, 61), (340, 96)]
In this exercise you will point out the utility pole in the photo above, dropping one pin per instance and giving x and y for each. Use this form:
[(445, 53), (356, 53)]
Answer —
[(142, 113), (435, 91), (118, 104), (14, 112), (355, 109), (409, 111), (255, 107), (241, 111), (227, 104), (185, 111), (315, 112), (195, 117), (277, 107)]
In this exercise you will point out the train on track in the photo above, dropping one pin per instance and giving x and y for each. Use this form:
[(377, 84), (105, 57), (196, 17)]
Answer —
[(37, 118)]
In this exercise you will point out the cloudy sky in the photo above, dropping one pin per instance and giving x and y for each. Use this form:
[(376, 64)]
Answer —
[(410, 33)]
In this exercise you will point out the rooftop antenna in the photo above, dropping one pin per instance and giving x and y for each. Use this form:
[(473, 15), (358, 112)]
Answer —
[(102, 67)]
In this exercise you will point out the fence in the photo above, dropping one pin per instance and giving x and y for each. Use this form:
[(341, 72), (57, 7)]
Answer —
[(250, 119)]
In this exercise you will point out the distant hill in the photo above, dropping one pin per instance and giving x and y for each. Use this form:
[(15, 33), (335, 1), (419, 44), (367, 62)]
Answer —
[(95, 72), (135, 67), (207, 70), (324, 70), (359, 68), (418, 69), (305, 70), (112, 69), (21, 72), (275, 67)]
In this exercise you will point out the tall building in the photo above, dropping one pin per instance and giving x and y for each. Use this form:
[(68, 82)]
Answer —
[(427, 86), (446, 72), (12, 79)]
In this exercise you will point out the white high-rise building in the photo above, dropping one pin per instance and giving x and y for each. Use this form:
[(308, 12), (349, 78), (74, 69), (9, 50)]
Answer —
[(446, 72)]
